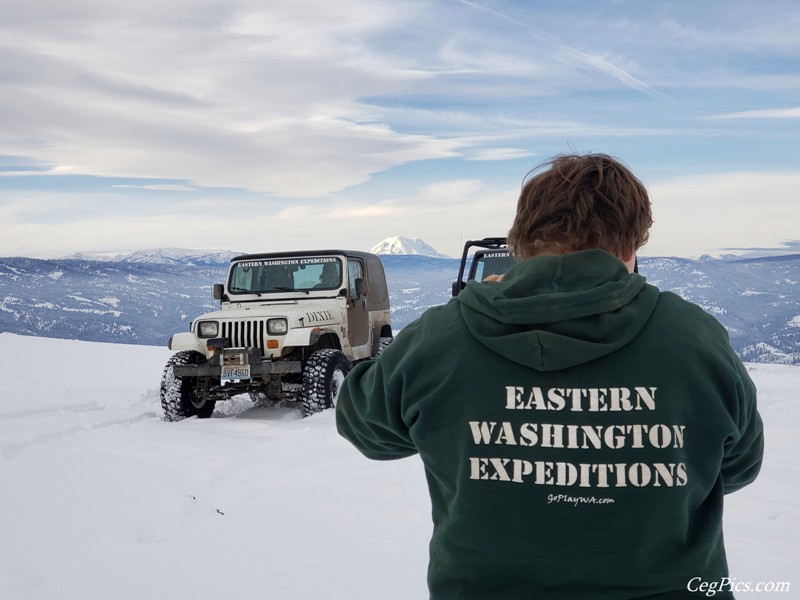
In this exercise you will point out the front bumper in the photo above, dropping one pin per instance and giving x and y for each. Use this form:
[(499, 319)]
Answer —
[(259, 368)]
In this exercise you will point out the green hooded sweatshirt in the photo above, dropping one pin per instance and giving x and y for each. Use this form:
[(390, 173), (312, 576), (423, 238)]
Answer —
[(578, 429)]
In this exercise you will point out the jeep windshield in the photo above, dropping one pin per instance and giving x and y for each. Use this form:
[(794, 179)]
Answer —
[(288, 274), (490, 262)]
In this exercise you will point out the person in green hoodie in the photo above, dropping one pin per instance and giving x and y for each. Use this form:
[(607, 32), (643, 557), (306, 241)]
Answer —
[(578, 427)]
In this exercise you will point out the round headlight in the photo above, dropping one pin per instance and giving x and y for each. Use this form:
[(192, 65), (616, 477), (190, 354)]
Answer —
[(277, 326), (207, 329)]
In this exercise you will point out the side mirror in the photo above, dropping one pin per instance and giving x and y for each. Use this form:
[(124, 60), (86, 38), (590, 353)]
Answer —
[(219, 292), (361, 287), (457, 287)]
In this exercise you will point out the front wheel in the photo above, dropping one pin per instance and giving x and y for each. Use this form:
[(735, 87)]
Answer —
[(179, 397), (323, 377)]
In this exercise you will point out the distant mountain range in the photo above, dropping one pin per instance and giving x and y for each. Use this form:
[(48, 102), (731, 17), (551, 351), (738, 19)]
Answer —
[(160, 256), (143, 298)]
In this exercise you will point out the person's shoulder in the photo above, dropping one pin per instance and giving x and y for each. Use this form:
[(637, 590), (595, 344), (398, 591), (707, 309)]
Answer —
[(431, 329), (681, 313), (434, 320), (675, 302)]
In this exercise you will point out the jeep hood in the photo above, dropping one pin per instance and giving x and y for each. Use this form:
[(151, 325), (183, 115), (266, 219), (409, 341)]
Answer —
[(556, 312), (312, 312)]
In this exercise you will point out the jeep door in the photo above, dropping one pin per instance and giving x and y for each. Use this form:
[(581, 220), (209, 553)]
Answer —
[(358, 309)]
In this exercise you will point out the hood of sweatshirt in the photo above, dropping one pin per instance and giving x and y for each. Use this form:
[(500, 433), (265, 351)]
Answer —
[(556, 312)]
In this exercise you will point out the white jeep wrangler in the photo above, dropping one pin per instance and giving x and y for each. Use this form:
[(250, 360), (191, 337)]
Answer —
[(289, 328)]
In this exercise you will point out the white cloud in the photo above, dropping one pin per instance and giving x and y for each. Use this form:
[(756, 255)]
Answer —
[(259, 98), (709, 213), (693, 216), (490, 154), (766, 113), (442, 213), (160, 187)]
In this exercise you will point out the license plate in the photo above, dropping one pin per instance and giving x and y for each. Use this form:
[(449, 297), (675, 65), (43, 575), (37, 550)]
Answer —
[(230, 372)]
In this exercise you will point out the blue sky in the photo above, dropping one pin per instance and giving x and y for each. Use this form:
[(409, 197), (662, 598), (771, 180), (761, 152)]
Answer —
[(259, 126)]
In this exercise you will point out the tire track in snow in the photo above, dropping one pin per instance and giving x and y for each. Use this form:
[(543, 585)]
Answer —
[(70, 409), (14, 449)]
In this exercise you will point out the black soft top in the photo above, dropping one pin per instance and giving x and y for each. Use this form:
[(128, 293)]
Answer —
[(265, 255)]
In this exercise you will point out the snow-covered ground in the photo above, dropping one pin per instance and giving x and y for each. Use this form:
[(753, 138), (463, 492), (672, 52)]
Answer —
[(102, 499)]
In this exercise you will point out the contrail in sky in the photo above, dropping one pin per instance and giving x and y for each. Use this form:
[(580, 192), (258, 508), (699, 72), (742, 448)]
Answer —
[(587, 59)]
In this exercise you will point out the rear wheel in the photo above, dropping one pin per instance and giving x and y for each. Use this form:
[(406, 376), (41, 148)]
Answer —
[(383, 343), (179, 397), (323, 377)]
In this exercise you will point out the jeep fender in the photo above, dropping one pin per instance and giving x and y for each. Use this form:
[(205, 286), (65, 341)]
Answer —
[(186, 341), (304, 336)]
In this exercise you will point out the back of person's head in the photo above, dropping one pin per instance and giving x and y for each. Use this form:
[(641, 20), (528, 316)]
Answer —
[(581, 202)]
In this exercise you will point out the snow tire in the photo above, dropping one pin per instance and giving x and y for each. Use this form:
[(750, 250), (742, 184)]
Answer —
[(323, 376), (178, 397), (383, 343)]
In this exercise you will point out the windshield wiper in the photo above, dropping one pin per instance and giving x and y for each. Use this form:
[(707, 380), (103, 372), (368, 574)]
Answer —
[(282, 288), (241, 290)]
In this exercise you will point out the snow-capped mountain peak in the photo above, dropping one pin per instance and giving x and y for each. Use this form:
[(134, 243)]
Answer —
[(402, 245)]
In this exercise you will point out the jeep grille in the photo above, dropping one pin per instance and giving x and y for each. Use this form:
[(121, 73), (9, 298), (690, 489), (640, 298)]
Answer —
[(245, 334)]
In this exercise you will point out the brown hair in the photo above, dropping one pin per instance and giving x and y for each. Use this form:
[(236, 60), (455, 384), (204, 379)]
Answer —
[(581, 202)]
